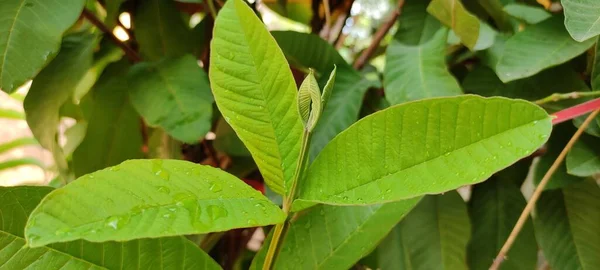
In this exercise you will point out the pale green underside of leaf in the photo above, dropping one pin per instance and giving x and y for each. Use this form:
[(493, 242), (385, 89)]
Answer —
[(149, 199), (30, 36), (434, 235), (334, 237), (424, 147), (173, 94), (17, 202), (584, 158), (256, 93), (114, 126), (567, 226), (582, 18), (54, 86), (527, 13), (417, 72), (453, 14), (161, 31), (494, 208), (538, 47)]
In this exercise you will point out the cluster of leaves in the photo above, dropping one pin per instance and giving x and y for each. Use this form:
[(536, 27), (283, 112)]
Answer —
[(365, 171)]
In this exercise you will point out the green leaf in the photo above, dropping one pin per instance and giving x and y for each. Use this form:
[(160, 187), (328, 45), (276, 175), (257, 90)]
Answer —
[(227, 141), (417, 72), (114, 126), (434, 235), (310, 51), (424, 147), (582, 18), (495, 9), (20, 142), (12, 163), (416, 26), (328, 88), (113, 8), (453, 14), (54, 86), (584, 158), (148, 199), (309, 101), (595, 76), (567, 227), (560, 178), (494, 209), (16, 203), (11, 114), (30, 35), (161, 31), (333, 237), (538, 47), (529, 14), (173, 94), (298, 10), (256, 93)]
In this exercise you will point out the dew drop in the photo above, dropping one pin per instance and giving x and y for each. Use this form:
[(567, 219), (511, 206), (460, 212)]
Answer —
[(166, 216), (216, 212), (112, 222), (252, 222), (163, 189), (215, 187), (180, 204), (62, 232)]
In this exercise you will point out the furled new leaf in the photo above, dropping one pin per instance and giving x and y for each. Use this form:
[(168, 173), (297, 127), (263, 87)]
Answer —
[(256, 93), (434, 235), (584, 158), (30, 36), (334, 237), (453, 14), (161, 31), (16, 203), (538, 47), (582, 18), (148, 199), (567, 227), (415, 72), (114, 126), (309, 101), (494, 208), (173, 94), (424, 147)]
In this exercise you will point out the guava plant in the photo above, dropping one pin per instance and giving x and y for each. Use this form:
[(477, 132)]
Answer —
[(339, 170)]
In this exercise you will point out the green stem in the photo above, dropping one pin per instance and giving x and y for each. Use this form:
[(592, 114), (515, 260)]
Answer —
[(562, 96), (281, 228), (211, 7)]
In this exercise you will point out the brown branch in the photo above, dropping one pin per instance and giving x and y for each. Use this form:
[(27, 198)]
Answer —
[(129, 52), (538, 191), (379, 35)]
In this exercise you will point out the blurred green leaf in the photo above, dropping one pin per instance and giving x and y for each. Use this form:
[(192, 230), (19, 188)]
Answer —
[(20, 142), (434, 235), (453, 14), (536, 48), (12, 163), (173, 94), (595, 76), (11, 114), (227, 141), (560, 179), (16, 203), (582, 18), (527, 13), (256, 93), (30, 35), (298, 10), (567, 227), (424, 147), (114, 127), (334, 237), (149, 199), (584, 158)]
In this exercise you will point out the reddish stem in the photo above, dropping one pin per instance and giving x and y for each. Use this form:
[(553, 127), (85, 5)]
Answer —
[(575, 111)]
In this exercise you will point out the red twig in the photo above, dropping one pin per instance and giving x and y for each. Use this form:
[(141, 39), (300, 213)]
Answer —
[(575, 111)]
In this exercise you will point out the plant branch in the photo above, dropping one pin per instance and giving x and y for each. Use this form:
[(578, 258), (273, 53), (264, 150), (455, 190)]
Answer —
[(129, 52), (211, 8), (575, 111), (379, 35), (538, 191), (562, 96)]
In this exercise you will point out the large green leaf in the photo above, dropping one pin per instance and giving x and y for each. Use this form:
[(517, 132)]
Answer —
[(54, 86), (16, 203), (595, 76), (114, 127), (582, 18), (334, 237), (538, 47), (453, 14), (30, 35), (584, 159), (560, 136), (148, 198), (297, 10), (567, 227), (310, 51), (424, 147), (416, 26), (256, 93), (434, 235), (494, 208), (415, 72), (173, 94), (161, 31)]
